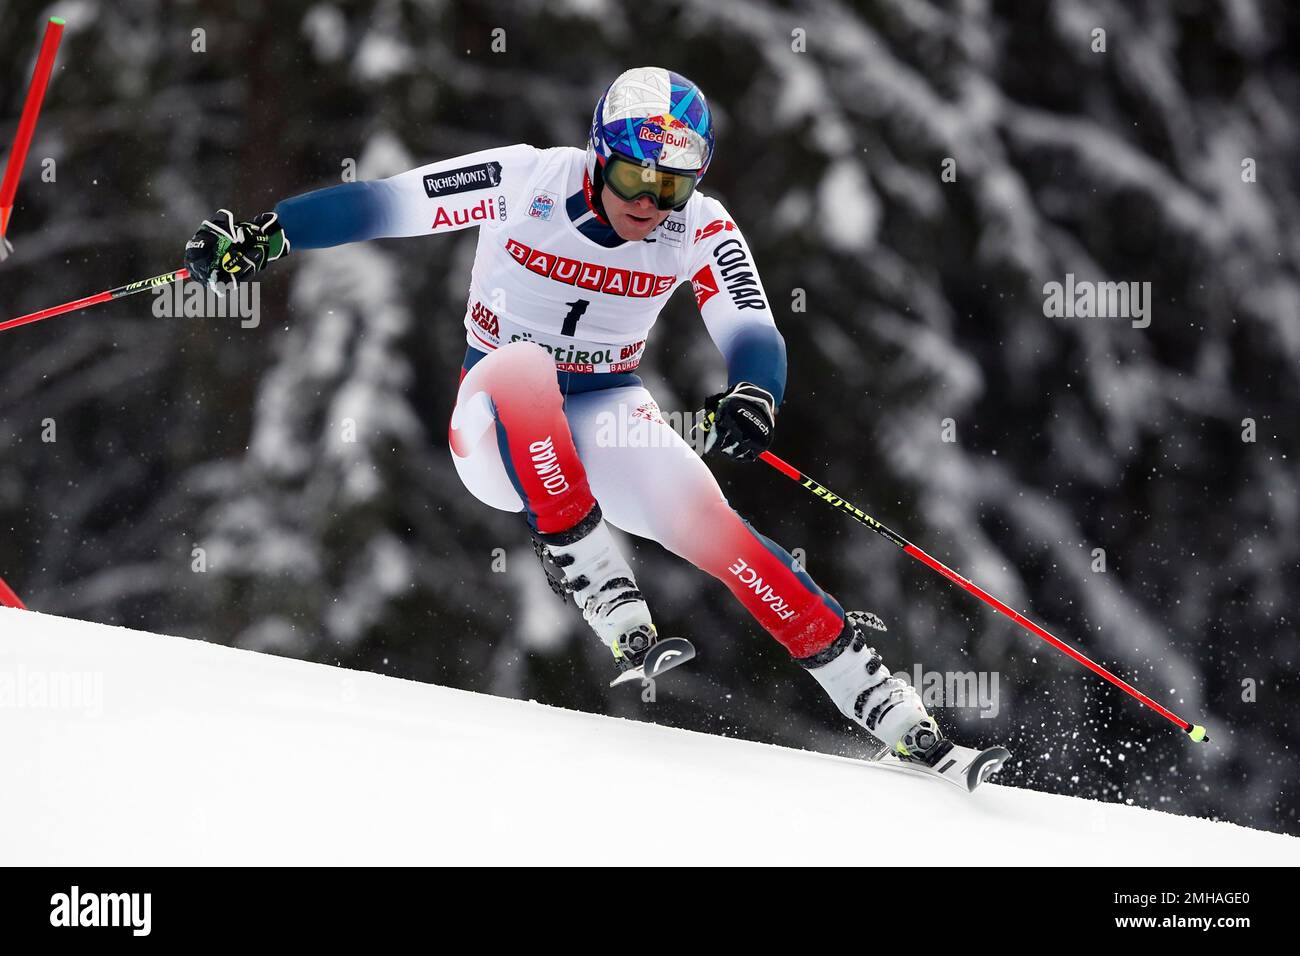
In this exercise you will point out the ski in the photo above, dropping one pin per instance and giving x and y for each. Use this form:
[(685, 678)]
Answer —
[(663, 656), (963, 767)]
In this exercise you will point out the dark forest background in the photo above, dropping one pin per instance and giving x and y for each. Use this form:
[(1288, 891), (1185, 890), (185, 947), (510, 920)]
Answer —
[(924, 303)]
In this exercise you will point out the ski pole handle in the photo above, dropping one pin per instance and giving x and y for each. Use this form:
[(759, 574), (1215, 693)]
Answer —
[(131, 288)]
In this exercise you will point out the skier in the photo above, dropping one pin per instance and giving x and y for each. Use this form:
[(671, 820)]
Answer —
[(577, 254)]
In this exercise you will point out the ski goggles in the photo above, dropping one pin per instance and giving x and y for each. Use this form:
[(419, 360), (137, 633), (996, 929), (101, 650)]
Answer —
[(630, 180)]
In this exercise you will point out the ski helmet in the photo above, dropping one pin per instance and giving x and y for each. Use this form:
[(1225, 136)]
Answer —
[(653, 117)]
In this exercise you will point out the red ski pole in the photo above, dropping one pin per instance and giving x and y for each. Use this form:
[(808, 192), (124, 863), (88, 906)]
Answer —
[(8, 598), (1195, 731), (129, 289), (27, 122)]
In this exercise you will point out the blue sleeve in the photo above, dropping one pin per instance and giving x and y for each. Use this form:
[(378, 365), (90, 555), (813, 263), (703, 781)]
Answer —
[(757, 354), (351, 212), (461, 192)]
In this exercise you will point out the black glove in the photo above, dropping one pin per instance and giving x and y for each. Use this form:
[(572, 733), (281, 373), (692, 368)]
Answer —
[(739, 422), (224, 249)]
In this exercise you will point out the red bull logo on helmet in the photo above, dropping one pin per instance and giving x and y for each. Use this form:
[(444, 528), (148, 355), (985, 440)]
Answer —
[(668, 130)]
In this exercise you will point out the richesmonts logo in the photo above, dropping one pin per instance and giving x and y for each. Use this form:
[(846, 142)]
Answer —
[(130, 910), (480, 176)]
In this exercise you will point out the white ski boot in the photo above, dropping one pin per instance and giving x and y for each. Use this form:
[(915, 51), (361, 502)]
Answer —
[(860, 684), (585, 562)]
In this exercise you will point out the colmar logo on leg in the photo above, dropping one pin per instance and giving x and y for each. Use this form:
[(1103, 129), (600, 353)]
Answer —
[(547, 465)]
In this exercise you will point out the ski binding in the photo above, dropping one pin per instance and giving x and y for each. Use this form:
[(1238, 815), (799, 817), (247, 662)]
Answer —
[(662, 656), (963, 767)]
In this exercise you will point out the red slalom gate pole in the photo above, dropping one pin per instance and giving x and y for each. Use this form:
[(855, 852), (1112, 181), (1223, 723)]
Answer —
[(27, 121), (130, 288), (8, 598), (1195, 731)]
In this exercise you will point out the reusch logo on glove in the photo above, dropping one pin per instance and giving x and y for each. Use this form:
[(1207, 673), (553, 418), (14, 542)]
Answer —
[(754, 419)]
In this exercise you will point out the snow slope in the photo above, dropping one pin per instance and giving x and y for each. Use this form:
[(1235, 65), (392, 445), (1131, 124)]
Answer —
[(127, 748)]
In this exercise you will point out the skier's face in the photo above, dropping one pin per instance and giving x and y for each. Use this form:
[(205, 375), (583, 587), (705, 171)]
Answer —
[(633, 220)]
